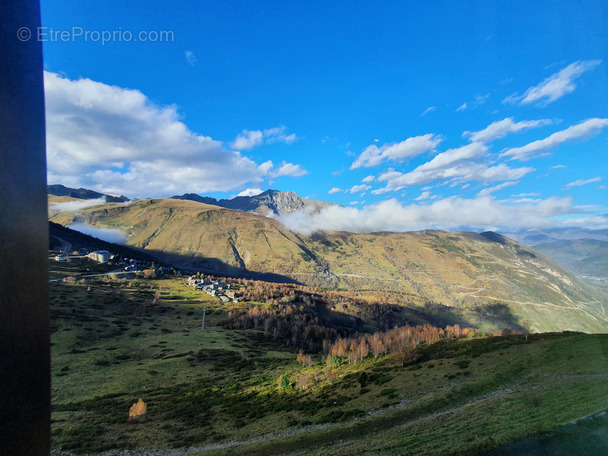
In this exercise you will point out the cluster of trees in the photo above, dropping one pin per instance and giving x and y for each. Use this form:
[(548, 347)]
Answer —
[(304, 360), (288, 322), (387, 310), (384, 313), (396, 340), (301, 327), (333, 321), (315, 320), (272, 293)]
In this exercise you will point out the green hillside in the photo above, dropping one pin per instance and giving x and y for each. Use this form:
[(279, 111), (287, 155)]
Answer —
[(224, 390), (460, 270)]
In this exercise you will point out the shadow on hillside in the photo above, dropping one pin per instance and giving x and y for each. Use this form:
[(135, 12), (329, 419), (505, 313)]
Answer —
[(497, 315), (217, 267), (59, 234)]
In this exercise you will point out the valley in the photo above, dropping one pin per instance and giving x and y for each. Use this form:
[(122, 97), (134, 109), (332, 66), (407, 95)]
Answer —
[(335, 343), (239, 390), (308, 229), (459, 270)]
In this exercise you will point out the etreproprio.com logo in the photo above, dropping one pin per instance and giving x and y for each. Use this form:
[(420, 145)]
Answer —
[(74, 34)]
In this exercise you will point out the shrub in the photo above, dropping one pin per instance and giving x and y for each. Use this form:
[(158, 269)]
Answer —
[(137, 411), (284, 383)]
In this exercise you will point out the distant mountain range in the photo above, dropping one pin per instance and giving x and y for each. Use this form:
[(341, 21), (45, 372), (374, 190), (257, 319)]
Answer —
[(587, 258), (83, 193), (268, 203), (546, 236)]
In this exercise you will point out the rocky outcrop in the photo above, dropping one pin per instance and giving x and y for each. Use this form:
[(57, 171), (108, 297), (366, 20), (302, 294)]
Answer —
[(271, 202)]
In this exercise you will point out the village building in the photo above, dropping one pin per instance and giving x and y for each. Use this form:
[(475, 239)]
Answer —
[(101, 256)]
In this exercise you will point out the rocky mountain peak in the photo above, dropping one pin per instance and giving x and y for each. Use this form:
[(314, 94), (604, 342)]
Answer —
[(270, 202)]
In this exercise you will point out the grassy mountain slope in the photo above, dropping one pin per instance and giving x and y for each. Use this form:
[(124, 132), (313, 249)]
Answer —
[(192, 234), (466, 269), (453, 269), (114, 342)]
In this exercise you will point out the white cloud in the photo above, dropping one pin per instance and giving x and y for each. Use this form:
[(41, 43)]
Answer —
[(582, 130), (191, 58), (74, 206), (287, 169), (502, 128), (479, 213), (248, 139), (389, 175), (454, 165), (359, 188), (524, 200), (581, 182), (368, 179), (593, 222), (427, 110), (555, 86), (411, 147), (525, 195), (277, 134), (462, 107), (453, 156), (423, 196), (251, 192), (481, 99), (116, 140), (112, 235), (334, 190), (381, 191), (496, 188)]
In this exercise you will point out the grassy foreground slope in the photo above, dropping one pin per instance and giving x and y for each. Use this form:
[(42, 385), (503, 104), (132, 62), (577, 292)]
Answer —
[(452, 269), (235, 392)]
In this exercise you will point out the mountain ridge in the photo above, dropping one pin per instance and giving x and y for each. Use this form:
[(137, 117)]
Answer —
[(83, 193), (268, 203)]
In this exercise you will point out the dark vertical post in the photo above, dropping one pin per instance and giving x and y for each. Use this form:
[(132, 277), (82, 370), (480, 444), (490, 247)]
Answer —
[(24, 313)]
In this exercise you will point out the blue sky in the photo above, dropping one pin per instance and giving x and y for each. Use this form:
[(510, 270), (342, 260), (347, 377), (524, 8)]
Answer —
[(447, 114)]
